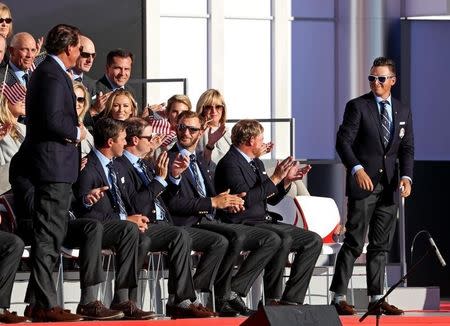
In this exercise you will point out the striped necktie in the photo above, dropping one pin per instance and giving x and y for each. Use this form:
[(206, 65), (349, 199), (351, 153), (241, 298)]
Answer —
[(385, 124), (198, 184), (116, 191), (161, 214)]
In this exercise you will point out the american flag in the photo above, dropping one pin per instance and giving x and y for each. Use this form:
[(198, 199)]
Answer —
[(11, 88), (162, 126)]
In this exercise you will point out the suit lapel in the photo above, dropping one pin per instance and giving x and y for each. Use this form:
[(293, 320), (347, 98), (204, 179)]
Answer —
[(246, 167), (99, 168), (373, 109), (206, 177)]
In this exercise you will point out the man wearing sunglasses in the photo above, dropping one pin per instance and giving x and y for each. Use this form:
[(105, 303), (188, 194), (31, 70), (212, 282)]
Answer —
[(79, 73), (376, 132), (84, 65)]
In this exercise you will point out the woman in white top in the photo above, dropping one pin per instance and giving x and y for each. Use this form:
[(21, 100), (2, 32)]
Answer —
[(12, 133), (216, 139), (82, 106)]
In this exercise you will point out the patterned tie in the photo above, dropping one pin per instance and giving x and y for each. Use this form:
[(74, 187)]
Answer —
[(26, 78), (161, 214), (254, 167), (385, 124), (115, 190), (198, 185), (79, 79)]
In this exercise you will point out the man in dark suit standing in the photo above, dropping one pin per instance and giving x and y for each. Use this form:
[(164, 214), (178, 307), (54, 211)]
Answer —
[(51, 148), (376, 131), (198, 205), (241, 170)]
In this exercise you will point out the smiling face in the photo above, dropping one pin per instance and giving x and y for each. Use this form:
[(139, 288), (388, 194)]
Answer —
[(119, 71), (81, 98), (175, 109), (86, 58), (382, 90), (23, 51), (122, 107), (189, 131)]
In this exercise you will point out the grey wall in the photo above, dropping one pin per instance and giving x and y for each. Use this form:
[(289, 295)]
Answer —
[(109, 23)]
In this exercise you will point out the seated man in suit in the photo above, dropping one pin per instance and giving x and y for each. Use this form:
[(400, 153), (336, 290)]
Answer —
[(117, 74), (196, 205), (11, 248), (109, 140), (85, 234), (240, 170), (150, 183)]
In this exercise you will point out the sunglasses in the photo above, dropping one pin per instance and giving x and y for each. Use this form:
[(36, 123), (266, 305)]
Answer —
[(86, 55), (81, 99), (217, 107), (183, 127), (6, 20), (381, 79)]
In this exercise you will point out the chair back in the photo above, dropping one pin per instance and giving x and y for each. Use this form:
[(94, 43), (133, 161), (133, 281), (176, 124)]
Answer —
[(319, 214), (288, 210), (8, 218)]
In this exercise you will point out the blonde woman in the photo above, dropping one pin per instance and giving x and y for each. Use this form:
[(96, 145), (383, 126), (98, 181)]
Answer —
[(6, 22), (12, 133), (120, 105), (216, 139), (82, 106)]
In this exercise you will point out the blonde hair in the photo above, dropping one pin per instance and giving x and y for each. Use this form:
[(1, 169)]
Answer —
[(87, 103), (179, 98), (4, 9), (7, 118), (208, 98), (109, 103)]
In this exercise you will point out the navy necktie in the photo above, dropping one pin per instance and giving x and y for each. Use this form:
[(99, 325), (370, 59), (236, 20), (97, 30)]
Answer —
[(26, 78), (385, 124), (116, 191), (79, 79), (147, 178)]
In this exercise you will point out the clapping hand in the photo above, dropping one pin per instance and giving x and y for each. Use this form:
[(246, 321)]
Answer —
[(179, 165)]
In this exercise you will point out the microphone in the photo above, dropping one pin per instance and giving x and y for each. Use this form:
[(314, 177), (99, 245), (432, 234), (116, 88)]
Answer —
[(436, 251)]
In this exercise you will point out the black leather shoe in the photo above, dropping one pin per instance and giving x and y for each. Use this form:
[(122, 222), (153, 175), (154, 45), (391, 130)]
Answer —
[(239, 305), (225, 310)]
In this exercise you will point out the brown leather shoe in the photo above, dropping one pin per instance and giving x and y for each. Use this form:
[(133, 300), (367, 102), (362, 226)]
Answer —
[(12, 318), (190, 312), (97, 311), (386, 309), (132, 312), (54, 314), (344, 309)]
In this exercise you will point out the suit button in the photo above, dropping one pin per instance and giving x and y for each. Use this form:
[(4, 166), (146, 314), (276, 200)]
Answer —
[(153, 211), (380, 170), (384, 156)]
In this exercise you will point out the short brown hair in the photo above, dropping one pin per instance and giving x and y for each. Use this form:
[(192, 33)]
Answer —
[(135, 127), (244, 130), (385, 62), (60, 37), (191, 115)]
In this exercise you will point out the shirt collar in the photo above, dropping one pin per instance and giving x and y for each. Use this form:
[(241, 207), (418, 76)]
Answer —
[(131, 157), (75, 75), (113, 85), (59, 62), (380, 99), (247, 158), (102, 158), (184, 151)]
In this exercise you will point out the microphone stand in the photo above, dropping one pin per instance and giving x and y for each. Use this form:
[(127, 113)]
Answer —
[(376, 307)]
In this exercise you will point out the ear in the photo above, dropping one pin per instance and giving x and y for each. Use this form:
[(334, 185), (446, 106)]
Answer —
[(134, 140), (110, 142), (393, 81)]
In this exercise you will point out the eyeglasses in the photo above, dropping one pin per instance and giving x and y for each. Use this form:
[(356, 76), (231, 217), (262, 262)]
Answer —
[(81, 99), (183, 127), (381, 79), (6, 20), (86, 55), (149, 138), (217, 107)]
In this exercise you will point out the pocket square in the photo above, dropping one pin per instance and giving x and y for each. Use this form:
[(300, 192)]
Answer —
[(122, 180), (402, 123)]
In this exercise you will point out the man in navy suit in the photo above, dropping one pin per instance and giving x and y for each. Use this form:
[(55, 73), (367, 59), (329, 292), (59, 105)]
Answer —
[(241, 170), (51, 147), (376, 131)]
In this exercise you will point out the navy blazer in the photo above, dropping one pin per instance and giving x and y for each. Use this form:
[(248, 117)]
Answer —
[(50, 142), (359, 141), (235, 173), (93, 176), (143, 199), (187, 206)]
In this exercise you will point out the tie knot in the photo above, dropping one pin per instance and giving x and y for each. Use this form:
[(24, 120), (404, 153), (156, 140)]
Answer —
[(384, 103), (193, 158), (110, 165)]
